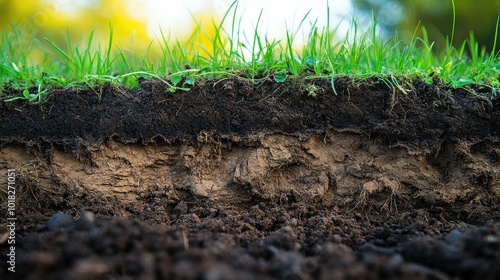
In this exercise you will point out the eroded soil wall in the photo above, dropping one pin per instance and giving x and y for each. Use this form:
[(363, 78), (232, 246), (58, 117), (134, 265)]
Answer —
[(344, 170)]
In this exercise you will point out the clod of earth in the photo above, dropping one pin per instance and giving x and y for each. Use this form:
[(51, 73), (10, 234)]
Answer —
[(235, 180)]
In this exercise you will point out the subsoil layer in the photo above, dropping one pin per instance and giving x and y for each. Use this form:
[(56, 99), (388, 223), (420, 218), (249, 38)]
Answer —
[(253, 180)]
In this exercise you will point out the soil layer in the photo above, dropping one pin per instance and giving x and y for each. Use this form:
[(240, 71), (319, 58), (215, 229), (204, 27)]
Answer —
[(265, 180)]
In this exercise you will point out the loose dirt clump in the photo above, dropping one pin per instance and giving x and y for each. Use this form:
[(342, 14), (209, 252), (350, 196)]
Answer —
[(236, 180)]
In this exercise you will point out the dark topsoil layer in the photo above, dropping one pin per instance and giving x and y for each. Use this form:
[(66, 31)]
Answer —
[(422, 119), (271, 240)]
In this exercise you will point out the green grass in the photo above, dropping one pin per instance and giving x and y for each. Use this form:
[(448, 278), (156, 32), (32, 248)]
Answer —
[(361, 54)]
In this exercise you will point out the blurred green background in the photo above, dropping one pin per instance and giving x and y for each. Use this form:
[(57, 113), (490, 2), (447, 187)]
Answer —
[(403, 16)]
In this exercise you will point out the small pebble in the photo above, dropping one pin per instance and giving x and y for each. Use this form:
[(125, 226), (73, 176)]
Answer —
[(59, 220), (454, 237), (85, 221)]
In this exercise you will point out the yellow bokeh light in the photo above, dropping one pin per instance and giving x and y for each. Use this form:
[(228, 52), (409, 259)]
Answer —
[(132, 28)]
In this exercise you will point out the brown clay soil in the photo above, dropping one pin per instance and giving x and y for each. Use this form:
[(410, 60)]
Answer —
[(264, 180)]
